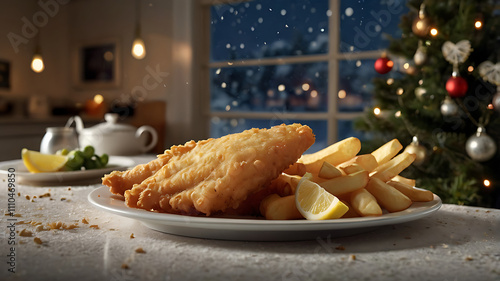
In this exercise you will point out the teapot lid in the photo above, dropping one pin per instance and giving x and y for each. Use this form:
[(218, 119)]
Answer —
[(111, 125)]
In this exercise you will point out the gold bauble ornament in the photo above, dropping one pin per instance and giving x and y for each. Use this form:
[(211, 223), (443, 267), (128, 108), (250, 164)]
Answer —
[(419, 150), (421, 25)]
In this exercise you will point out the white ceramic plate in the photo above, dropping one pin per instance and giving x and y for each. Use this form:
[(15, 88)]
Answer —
[(23, 176), (245, 229)]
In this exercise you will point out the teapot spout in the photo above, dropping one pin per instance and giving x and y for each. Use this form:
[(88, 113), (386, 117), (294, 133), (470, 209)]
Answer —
[(78, 123)]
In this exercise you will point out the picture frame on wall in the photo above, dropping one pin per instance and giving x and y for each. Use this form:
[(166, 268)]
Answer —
[(4, 74), (96, 64)]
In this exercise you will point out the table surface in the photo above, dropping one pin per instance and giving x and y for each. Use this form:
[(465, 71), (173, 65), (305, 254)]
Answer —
[(455, 243)]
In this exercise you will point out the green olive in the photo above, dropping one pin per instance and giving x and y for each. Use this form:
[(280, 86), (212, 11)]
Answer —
[(88, 151), (104, 159), (75, 160), (63, 152)]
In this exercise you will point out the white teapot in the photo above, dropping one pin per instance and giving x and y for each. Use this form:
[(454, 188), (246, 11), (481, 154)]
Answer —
[(113, 138)]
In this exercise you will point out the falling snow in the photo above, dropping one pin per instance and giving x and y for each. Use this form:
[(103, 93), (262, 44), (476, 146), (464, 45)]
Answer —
[(282, 28)]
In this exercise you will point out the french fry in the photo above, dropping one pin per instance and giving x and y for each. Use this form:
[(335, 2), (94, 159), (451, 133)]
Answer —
[(367, 162), (292, 180), (387, 196), (399, 178), (345, 184), (396, 165), (334, 154), (274, 207), (415, 194), (351, 213), (296, 169), (353, 168), (328, 171), (387, 151), (364, 203)]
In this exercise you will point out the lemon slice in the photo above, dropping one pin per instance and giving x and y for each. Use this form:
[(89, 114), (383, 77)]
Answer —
[(315, 203), (37, 162)]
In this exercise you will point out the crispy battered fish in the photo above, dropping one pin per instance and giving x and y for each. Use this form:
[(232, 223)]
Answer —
[(119, 181), (215, 175)]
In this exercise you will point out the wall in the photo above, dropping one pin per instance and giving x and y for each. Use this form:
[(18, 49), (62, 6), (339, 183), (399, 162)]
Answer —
[(164, 74)]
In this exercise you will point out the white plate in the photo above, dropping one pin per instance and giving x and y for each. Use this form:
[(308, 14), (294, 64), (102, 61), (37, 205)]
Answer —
[(245, 229), (23, 176)]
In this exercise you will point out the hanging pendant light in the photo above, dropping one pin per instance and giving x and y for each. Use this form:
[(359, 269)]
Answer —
[(37, 64), (138, 47)]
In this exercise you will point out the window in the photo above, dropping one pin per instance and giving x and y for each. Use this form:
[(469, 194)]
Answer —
[(286, 61)]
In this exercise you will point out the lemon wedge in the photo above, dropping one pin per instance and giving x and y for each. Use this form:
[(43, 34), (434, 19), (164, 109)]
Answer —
[(315, 203), (37, 162)]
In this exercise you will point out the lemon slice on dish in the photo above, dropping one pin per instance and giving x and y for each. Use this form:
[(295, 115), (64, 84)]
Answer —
[(37, 162), (315, 203)]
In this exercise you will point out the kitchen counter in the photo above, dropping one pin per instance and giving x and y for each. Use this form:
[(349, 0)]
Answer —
[(455, 243)]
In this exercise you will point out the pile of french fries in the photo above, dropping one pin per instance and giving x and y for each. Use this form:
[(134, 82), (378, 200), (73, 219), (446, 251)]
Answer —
[(366, 183)]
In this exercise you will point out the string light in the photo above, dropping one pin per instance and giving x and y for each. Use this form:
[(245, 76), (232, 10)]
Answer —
[(487, 183), (376, 111), (342, 94), (478, 24), (434, 31)]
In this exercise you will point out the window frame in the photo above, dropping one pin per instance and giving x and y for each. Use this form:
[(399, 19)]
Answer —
[(332, 58)]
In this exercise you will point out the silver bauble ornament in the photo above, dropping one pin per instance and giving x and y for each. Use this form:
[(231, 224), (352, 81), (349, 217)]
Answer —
[(419, 150), (496, 100), (480, 147), (449, 107), (420, 55), (420, 93)]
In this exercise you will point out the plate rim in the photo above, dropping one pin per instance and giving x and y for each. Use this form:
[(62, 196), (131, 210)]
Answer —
[(98, 197), (64, 176)]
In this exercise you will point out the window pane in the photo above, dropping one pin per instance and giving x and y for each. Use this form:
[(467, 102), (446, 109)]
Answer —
[(223, 126), (355, 85), (346, 130), (365, 24), (283, 88), (264, 28)]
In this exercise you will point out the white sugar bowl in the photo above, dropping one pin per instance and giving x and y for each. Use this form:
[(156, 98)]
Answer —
[(113, 138)]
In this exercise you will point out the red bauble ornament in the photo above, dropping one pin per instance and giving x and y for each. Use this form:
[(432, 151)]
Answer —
[(456, 86), (383, 65)]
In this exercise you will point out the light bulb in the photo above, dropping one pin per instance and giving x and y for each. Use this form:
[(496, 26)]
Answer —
[(37, 63), (138, 49), (478, 24)]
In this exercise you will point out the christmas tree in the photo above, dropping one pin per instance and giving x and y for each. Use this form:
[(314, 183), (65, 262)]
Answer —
[(441, 98)]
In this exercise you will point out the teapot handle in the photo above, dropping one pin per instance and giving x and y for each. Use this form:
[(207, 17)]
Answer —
[(78, 123), (154, 136)]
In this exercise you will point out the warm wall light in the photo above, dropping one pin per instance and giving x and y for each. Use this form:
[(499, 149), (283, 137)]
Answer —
[(138, 46), (37, 61)]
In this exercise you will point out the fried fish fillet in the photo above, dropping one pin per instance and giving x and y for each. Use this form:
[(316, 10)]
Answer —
[(215, 175), (119, 181)]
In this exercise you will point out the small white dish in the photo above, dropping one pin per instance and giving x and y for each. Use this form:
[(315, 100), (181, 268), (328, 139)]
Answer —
[(23, 176), (253, 229)]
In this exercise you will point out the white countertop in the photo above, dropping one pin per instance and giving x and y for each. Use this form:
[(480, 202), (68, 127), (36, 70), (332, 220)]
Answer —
[(455, 243)]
